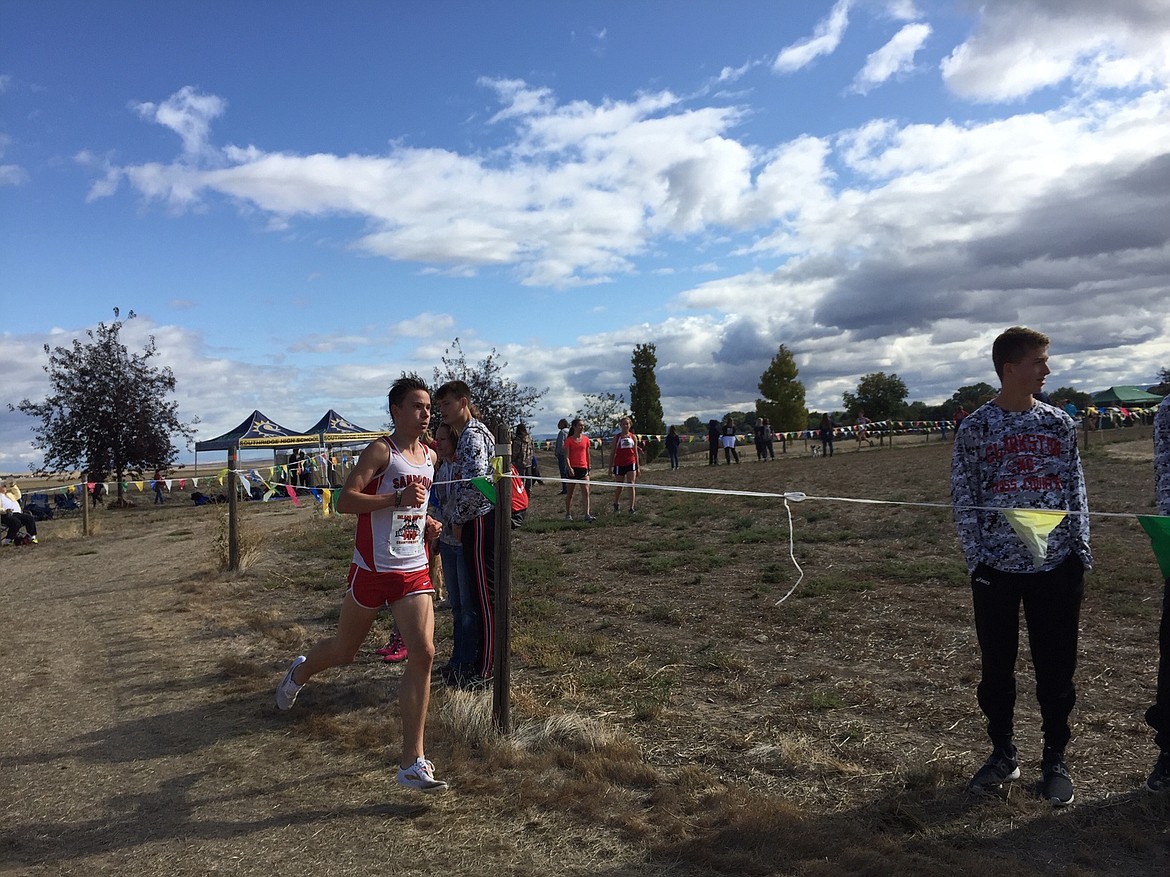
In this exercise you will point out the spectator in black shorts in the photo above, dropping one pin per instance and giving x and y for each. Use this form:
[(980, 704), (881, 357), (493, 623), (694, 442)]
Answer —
[(626, 456)]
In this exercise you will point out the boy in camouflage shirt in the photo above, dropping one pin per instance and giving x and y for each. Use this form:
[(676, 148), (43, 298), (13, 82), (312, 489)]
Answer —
[(1016, 452), (1158, 715)]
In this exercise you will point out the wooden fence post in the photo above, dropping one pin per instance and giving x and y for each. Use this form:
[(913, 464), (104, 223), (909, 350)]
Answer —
[(84, 503), (233, 514), (501, 691)]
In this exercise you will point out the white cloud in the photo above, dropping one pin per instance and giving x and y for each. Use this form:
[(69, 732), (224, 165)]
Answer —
[(189, 114), (584, 188), (824, 41), (893, 245), (1022, 46), (895, 57)]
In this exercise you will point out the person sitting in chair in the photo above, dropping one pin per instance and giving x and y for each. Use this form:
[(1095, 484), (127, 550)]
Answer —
[(13, 517)]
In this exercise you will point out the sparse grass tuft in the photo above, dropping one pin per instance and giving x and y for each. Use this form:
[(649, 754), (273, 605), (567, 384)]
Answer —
[(249, 543)]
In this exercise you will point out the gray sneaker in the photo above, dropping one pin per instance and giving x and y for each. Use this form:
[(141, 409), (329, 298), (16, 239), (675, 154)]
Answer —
[(1001, 767), (287, 690), (1159, 779), (1056, 786)]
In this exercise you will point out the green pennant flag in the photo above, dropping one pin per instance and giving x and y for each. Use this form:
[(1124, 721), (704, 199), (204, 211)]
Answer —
[(485, 486), (1157, 527)]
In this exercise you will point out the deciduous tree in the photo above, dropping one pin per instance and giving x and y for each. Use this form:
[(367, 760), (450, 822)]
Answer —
[(602, 412), (501, 401), (108, 411), (881, 396)]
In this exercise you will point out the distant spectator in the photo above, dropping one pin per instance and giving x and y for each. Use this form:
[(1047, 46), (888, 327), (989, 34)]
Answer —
[(672, 444), (960, 416), (523, 450), (714, 434), (728, 441), (158, 487), (825, 433), (562, 460)]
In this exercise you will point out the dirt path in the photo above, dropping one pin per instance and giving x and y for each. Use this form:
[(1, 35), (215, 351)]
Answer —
[(138, 734), (127, 749)]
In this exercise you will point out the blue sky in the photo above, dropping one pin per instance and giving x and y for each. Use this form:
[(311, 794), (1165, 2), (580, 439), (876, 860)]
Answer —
[(302, 200)]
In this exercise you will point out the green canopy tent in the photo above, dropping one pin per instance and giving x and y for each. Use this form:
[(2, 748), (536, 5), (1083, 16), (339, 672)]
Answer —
[(1125, 397)]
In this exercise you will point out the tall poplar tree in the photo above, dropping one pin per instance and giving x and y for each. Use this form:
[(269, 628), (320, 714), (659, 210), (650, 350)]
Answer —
[(645, 397)]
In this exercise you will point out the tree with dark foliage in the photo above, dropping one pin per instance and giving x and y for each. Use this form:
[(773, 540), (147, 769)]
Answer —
[(783, 402), (108, 412), (881, 396), (500, 400), (645, 397)]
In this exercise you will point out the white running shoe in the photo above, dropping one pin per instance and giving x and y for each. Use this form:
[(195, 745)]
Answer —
[(421, 776), (287, 691)]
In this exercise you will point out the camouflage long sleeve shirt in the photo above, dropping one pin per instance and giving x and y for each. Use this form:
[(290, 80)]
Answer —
[(473, 459), (1017, 459)]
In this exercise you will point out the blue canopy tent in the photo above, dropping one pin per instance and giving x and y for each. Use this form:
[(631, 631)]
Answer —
[(257, 431), (333, 430)]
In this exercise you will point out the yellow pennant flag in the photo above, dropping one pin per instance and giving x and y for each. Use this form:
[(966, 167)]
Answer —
[(1033, 527), (497, 468), (326, 498)]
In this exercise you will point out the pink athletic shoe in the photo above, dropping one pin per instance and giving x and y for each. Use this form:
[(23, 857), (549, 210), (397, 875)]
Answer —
[(394, 651)]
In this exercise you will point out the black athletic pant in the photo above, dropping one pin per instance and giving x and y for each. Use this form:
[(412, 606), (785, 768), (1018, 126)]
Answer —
[(1158, 715), (479, 553), (1052, 611), (15, 520)]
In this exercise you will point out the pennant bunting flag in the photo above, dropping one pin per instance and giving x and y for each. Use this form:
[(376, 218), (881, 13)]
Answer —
[(1033, 527), (292, 494), (268, 494), (1157, 527), (497, 469), (485, 487), (326, 501)]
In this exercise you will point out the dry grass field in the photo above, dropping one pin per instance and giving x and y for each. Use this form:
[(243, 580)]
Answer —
[(669, 717)]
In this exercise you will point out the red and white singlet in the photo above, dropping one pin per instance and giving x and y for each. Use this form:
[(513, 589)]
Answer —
[(390, 539)]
